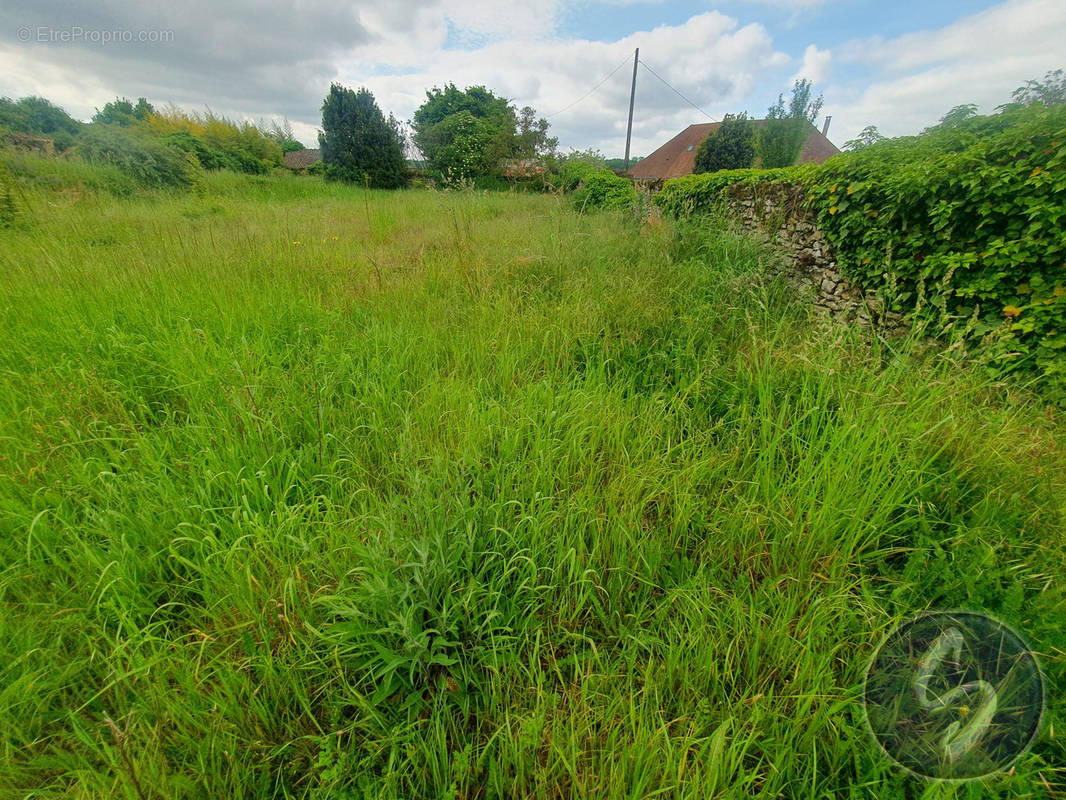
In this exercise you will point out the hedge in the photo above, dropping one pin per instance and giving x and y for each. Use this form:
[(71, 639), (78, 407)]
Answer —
[(964, 225), (604, 189)]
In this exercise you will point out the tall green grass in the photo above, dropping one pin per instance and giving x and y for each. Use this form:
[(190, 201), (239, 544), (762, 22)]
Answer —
[(315, 492)]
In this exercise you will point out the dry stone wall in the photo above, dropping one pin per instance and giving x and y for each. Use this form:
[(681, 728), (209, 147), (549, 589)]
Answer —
[(774, 213)]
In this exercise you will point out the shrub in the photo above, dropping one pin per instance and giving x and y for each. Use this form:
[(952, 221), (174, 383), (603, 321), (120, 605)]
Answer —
[(36, 170), (573, 168), (705, 193), (242, 146), (976, 227), (36, 116), (184, 141), (604, 189), (150, 163)]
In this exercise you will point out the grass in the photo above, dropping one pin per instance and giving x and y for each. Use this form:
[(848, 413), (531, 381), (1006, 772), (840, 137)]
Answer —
[(311, 492)]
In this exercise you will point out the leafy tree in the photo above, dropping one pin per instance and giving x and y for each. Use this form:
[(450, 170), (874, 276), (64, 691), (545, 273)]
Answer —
[(122, 111), (867, 136), (589, 156), (781, 137), (467, 133), (618, 164), (532, 140), (730, 146), (358, 143), (1049, 92)]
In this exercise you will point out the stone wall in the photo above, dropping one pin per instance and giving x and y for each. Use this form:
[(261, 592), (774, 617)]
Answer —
[(774, 213)]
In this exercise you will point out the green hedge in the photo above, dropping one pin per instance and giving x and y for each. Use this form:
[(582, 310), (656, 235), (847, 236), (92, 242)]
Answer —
[(604, 189), (705, 193), (964, 225)]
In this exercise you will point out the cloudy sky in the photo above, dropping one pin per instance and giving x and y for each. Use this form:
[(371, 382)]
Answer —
[(898, 64)]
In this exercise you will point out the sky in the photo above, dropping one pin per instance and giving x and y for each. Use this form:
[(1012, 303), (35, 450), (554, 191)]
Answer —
[(896, 64)]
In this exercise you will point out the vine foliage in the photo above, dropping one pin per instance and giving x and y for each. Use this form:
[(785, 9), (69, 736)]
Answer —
[(965, 224)]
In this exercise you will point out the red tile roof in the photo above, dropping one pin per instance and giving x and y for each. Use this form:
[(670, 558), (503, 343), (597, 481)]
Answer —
[(678, 156), (302, 159)]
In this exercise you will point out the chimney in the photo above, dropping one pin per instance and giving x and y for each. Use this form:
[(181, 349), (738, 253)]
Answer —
[(825, 127)]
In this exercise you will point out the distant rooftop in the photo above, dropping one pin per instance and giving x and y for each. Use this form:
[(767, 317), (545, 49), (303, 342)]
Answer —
[(302, 159), (678, 156)]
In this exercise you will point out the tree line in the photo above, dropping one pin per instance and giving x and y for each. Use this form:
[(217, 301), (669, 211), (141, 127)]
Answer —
[(736, 144), (460, 134)]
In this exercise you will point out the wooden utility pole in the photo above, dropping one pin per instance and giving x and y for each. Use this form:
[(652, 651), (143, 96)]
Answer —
[(632, 97)]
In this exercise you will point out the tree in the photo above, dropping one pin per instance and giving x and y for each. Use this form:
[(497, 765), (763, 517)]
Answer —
[(954, 118), (1050, 92), (618, 164), (358, 144), (532, 140), (958, 114), (867, 136), (282, 135), (730, 146), (467, 133), (124, 112), (781, 137)]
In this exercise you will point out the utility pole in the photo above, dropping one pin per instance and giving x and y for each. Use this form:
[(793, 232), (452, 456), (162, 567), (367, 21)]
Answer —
[(632, 97)]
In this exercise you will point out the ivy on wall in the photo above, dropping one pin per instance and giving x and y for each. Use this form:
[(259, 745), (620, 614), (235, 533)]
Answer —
[(964, 223)]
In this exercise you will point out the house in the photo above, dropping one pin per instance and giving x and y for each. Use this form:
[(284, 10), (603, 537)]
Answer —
[(678, 156), (302, 159)]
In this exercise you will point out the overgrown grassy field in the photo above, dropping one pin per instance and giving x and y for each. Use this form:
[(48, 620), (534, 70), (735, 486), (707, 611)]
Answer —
[(315, 493)]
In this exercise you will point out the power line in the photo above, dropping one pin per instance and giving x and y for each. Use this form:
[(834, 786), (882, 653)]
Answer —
[(590, 91), (675, 91)]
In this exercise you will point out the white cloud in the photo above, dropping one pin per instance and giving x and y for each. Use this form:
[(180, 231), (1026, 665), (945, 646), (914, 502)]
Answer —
[(978, 59), (283, 61), (709, 58), (816, 67), (515, 21)]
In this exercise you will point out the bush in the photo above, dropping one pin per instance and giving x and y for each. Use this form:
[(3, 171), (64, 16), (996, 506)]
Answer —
[(604, 189), (36, 116), (959, 226), (150, 163), (35, 170), (706, 193), (224, 144), (187, 143), (575, 167)]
